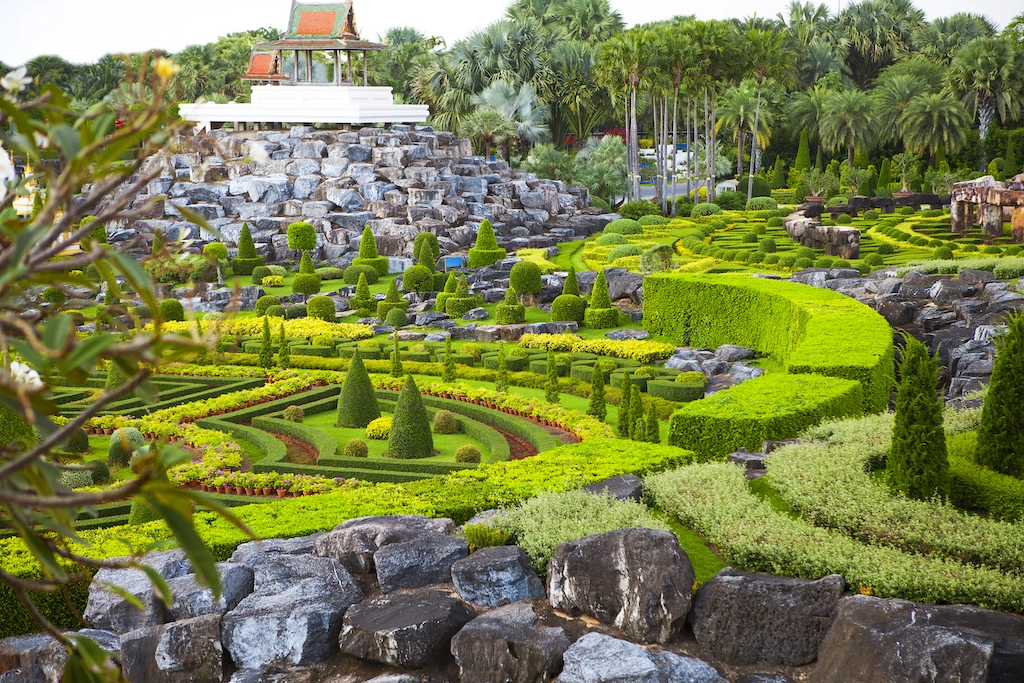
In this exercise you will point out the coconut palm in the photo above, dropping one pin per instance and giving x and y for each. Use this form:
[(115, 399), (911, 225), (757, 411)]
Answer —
[(848, 121), (768, 59), (933, 122), (892, 95), (986, 74)]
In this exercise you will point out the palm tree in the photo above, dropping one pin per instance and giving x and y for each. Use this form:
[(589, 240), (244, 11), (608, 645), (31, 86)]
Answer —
[(879, 32), (821, 58), (892, 95), (592, 21), (807, 109), (933, 122), (986, 74), (736, 111), (848, 122), (489, 126), (768, 59), (942, 38), (577, 103), (520, 106), (623, 60), (806, 21)]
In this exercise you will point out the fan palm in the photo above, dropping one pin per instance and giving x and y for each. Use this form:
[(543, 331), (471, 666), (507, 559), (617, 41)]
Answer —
[(879, 32), (933, 122), (848, 121), (489, 127), (593, 21), (520, 106), (942, 38)]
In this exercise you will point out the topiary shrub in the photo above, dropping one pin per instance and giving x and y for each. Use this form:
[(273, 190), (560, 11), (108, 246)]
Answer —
[(352, 273), (886, 249), (907, 210), (410, 432), (275, 311), (844, 219), (418, 279), (467, 454), (293, 414), (171, 310), (295, 311), (379, 429), (787, 261), (247, 259), (968, 248), (357, 402), (624, 250), (749, 238), (54, 296), (356, 448), (943, 254), (526, 278), (450, 285), (306, 264), (871, 214), (609, 239), (802, 263), (767, 245), (823, 262), (272, 281), (1000, 437), (215, 251), (100, 473), (652, 219), (426, 250), (396, 318), (321, 308), (124, 442), (636, 209), (368, 255), (305, 284), (77, 442), (258, 273), (624, 226), (874, 260), (705, 209), (568, 307), (511, 312), (486, 250), (774, 222), (301, 236), (601, 314), (391, 301), (445, 423), (329, 273), (363, 303), (762, 204), (730, 201)]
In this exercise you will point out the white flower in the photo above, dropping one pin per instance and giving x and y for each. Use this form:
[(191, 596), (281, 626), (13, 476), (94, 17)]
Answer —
[(42, 142), (7, 172), (24, 374), (258, 153), (15, 81)]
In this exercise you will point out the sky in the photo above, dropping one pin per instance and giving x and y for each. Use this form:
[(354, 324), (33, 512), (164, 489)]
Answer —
[(83, 32)]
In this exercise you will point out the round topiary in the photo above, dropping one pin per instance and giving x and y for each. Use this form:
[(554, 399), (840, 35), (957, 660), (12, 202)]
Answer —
[(379, 429), (886, 249), (844, 219), (705, 209), (762, 204), (871, 214), (295, 311), (802, 263), (54, 296), (352, 273), (293, 414), (396, 318), (874, 260), (410, 432), (526, 278), (321, 308), (444, 422), (258, 273), (77, 442), (100, 473), (568, 307), (969, 248), (124, 442), (907, 210), (943, 254), (767, 245), (301, 236), (265, 302), (356, 448), (624, 226), (774, 222), (467, 454), (841, 263), (418, 279), (275, 311), (823, 262), (610, 239), (216, 251), (329, 273), (171, 310), (652, 219), (624, 250), (306, 284), (787, 261)]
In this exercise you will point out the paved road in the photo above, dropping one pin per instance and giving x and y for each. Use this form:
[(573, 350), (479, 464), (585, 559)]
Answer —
[(682, 189)]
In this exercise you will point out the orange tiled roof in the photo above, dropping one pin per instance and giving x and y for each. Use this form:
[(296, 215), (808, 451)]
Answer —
[(313, 23)]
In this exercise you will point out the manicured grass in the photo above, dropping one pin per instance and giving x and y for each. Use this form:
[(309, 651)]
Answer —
[(704, 560), (763, 489)]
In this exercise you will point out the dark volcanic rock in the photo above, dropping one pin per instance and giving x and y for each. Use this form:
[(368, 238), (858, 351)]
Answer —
[(354, 542), (636, 579), (418, 563), (505, 645), (622, 487), (110, 612), (180, 652), (753, 618), (194, 600), (496, 576)]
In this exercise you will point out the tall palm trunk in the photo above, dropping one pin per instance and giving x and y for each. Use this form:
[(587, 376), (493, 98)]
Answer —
[(740, 135), (707, 146), (636, 143), (849, 156), (629, 149), (753, 143), (714, 144), (675, 143), (657, 149), (986, 114)]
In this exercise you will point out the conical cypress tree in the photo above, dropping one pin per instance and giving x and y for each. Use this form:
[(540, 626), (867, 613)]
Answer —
[(451, 283), (599, 298), (306, 264), (918, 465), (501, 381), (597, 407), (625, 413), (246, 247), (462, 290), (572, 285), (266, 352), (363, 302), (357, 403), (636, 415), (779, 174), (819, 162), (396, 359), (1001, 432), (485, 236), (652, 434), (803, 153), (1010, 167), (551, 388), (284, 352), (410, 429), (426, 250), (884, 175), (448, 375), (368, 244), (424, 259)]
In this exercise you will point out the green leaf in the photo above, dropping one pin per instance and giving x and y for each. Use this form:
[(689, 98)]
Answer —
[(159, 583), (67, 139), (56, 331), (87, 352), (135, 275), (203, 562)]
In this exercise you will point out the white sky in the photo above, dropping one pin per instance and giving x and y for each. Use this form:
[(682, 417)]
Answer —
[(84, 31)]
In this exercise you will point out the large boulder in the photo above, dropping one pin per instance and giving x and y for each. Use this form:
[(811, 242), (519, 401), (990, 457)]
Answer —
[(255, 553), (40, 658), (108, 611), (194, 600), (639, 580), (752, 618), (506, 645), (409, 630), (419, 562), (187, 651), (496, 576), (882, 641), (354, 542), (294, 613), (597, 658)]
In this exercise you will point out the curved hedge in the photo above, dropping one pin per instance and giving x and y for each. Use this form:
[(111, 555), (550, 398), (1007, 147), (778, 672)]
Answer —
[(808, 329)]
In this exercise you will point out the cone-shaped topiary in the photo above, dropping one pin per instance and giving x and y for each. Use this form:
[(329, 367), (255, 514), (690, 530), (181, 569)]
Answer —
[(247, 258), (626, 392), (115, 377), (601, 314), (266, 359), (597, 407), (572, 285), (410, 430), (301, 236), (368, 255), (306, 264), (653, 434), (456, 306), (486, 251), (396, 359), (501, 381), (918, 464), (284, 357), (1001, 433), (551, 387), (636, 414), (357, 402), (511, 312), (448, 373), (803, 153), (428, 256), (450, 286), (363, 302), (599, 295), (392, 300)]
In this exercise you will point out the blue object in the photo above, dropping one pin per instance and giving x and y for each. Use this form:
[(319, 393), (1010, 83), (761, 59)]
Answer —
[(454, 262)]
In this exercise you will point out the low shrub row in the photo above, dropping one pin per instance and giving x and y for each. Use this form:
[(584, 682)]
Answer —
[(633, 349), (307, 328)]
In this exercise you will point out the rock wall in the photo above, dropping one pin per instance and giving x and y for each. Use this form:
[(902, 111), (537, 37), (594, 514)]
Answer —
[(804, 226)]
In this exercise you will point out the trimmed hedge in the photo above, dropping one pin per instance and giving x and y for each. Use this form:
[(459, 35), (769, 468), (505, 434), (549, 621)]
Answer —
[(811, 330), (675, 391)]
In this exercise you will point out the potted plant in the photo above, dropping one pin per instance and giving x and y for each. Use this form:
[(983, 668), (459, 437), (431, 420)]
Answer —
[(283, 486), (819, 184), (905, 165)]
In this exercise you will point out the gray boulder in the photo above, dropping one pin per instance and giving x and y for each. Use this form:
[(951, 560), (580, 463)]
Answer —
[(638, 580), (506, 645), (623, 335), (186, 651), (417, 563), (109, 611), (39, 658), (597, 658), (496, 576), (476, 314), (255, 553), (882, 641), (409, 630), (194, 600), (753, 618), (764, 678), (730, 353), (294, 613), (354, 542), (622, 487)]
